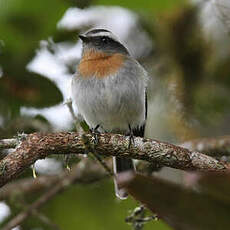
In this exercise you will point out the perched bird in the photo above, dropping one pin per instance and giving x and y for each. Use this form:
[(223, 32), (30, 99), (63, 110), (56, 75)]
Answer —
[(109, 90)]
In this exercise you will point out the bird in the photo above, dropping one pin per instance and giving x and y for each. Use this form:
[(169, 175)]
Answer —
[(109, 91)]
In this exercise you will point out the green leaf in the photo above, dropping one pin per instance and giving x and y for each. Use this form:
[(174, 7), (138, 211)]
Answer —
[(180, 207), (32, 90)]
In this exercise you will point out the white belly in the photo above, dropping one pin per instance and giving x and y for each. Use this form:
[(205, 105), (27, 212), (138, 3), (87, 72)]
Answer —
[(114, 103)]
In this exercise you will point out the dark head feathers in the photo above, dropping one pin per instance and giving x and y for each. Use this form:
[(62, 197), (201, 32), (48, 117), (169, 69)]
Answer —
[(103, 40)]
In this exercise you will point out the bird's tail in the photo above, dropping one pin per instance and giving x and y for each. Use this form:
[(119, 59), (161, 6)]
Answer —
[(121, 165)]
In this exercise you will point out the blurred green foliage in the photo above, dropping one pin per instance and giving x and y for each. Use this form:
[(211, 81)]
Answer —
[(98, 209), (145, 5), (22, 26)]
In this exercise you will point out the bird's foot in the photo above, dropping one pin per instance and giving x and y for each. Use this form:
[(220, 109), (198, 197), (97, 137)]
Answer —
[(95, 134), (131, 137)]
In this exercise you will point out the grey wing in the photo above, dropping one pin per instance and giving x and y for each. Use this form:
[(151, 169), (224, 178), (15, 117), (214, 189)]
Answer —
[(139, 131), (136, 83)]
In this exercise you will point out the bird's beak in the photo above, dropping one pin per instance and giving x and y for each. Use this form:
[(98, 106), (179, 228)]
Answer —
[(83, 38)]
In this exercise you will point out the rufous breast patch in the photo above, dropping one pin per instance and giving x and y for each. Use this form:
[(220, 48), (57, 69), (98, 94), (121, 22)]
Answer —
[(99, 64)]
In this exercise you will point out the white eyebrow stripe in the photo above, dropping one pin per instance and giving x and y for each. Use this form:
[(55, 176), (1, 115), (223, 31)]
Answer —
[(104, 33), (107, 34)]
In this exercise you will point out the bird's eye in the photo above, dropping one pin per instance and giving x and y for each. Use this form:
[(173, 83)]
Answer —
[(104, 39)]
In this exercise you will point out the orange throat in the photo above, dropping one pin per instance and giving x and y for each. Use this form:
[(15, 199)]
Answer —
[(98, 64)]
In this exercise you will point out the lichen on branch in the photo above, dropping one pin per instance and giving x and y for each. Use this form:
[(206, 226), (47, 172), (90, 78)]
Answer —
[(37, 146)]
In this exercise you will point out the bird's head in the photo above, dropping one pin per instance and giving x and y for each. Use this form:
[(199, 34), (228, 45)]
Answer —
[(102, 40)]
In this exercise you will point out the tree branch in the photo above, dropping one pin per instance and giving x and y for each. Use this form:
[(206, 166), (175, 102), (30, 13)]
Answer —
[(216, 147), (37, 146)]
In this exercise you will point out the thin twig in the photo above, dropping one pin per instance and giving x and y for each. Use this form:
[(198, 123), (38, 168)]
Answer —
[(91, 148), (69, 104), (8, 143), (39, 215), (68, 178), (45, 220), (28, 185), (102, 163)]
